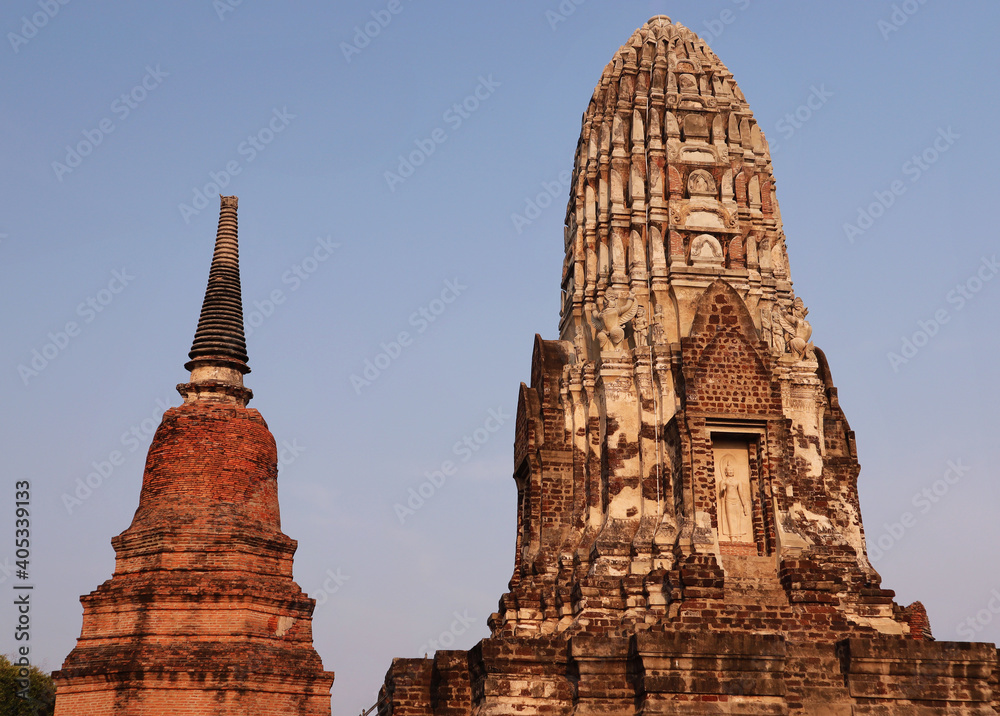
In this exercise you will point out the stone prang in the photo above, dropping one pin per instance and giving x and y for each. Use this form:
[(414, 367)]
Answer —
[(689, 538)]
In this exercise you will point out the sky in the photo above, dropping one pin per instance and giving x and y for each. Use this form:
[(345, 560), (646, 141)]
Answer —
[(402, 168)]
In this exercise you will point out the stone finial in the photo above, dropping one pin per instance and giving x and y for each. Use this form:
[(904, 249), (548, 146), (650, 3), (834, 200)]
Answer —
[(218, 356)]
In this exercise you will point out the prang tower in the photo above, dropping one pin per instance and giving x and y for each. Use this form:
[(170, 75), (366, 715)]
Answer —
[(201, 615), (689, 538)]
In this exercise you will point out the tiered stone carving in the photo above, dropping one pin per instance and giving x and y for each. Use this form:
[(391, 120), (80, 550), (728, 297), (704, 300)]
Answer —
[(689, 538)]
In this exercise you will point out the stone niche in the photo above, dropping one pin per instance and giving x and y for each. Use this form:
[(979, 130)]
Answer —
[(706, 251), (738, 494)]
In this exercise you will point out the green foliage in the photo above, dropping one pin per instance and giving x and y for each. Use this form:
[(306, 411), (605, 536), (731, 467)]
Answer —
[(41, 695)]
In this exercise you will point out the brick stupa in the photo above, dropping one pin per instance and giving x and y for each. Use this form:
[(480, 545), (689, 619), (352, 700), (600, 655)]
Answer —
[(689, 538), (201, 615)]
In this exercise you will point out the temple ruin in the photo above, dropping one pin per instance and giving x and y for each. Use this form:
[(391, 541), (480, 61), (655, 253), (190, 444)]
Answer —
[(689, 538), (201, 615)]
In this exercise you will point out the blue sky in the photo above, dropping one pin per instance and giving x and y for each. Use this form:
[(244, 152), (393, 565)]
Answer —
[(873, 109)]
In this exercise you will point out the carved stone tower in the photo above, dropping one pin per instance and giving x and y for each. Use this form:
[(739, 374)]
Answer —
[(201, 615), (689, 537)]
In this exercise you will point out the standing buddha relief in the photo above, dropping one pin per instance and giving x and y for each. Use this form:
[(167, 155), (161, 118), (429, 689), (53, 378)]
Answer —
[(734, 506), (734, 502)]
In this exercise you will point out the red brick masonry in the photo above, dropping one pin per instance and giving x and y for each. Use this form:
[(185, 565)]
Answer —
[(201, 615)]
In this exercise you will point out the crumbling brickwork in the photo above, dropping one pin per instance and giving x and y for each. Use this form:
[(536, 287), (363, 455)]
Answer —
[(689, 536), (201, 615)]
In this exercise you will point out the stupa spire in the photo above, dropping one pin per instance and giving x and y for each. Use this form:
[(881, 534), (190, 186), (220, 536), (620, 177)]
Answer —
[(218, 356)]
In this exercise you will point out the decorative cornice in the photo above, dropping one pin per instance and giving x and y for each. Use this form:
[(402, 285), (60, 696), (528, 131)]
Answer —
[(214, 391)]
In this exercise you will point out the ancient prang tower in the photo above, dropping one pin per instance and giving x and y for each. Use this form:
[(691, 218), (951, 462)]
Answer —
[(202, 616), (689, 538)]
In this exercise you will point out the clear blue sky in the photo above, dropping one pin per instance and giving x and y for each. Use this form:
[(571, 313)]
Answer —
[(155, 99)]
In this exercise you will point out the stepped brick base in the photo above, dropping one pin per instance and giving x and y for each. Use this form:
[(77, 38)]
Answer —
[(202, 615), (697, 674)]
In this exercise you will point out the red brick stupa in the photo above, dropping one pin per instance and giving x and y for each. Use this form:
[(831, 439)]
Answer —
[(201, 615)]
